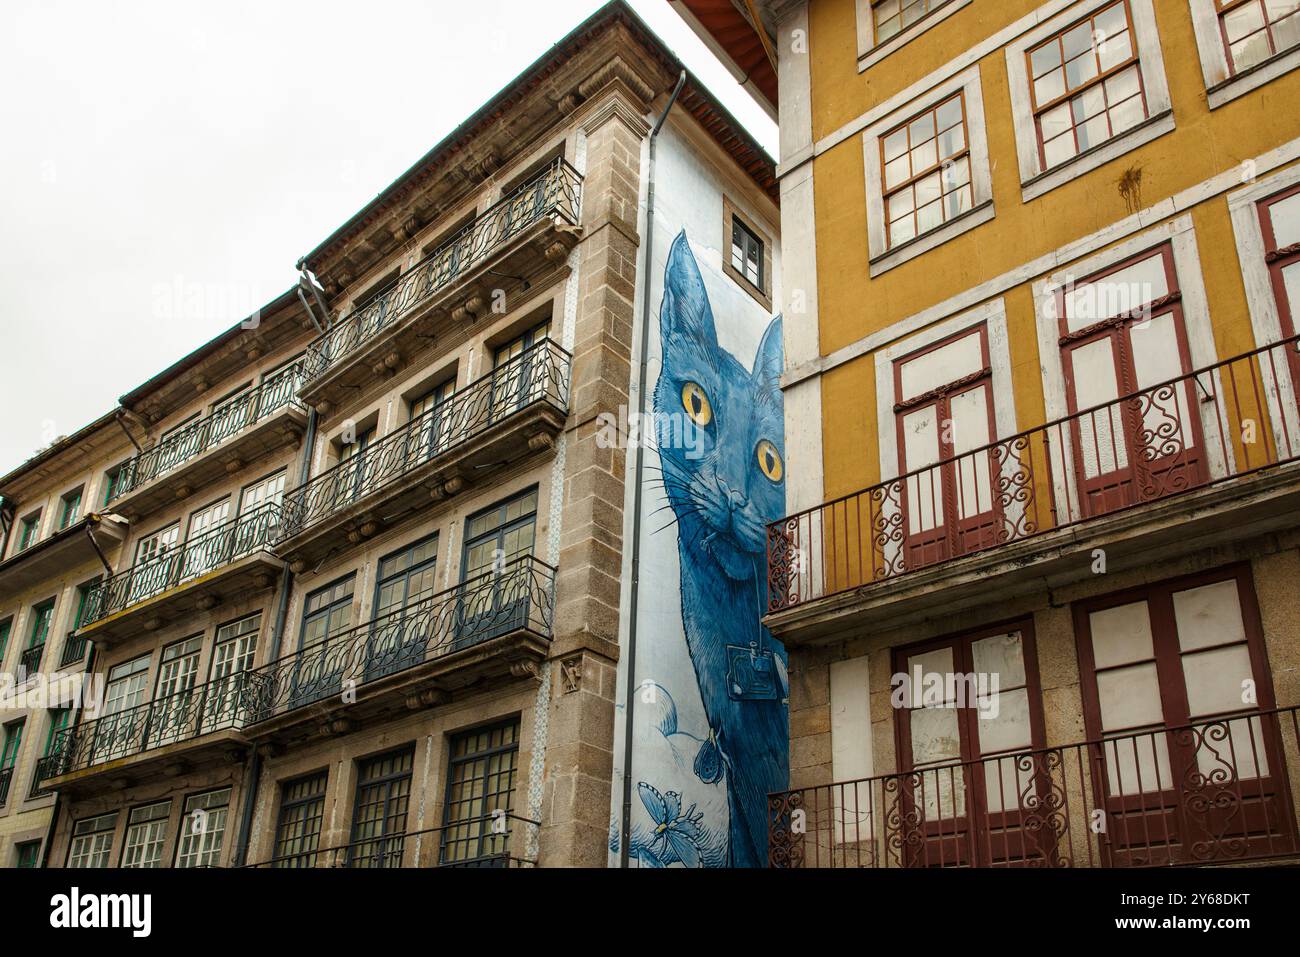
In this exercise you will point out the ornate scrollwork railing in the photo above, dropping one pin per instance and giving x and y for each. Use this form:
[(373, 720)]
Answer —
[(219, 545), (1219, 422), (555, 192), (518, 596), (1211, 792), (539, 374), (215, 706), (230, 418)]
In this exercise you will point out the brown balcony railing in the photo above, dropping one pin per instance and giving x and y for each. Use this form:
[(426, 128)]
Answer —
[(1212, 792), (6, 775), (230, 418), (30, 662), (475, 842), (554, 192), (220, 545), (74, 650), (539, 374), (1215, 424)]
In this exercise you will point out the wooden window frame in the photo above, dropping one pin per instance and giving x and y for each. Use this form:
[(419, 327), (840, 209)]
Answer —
[(1098, 80), (872, 48), (1224, 7), (915, 178), (1277, 260), (733, 215), (946, 830), (289, 805)]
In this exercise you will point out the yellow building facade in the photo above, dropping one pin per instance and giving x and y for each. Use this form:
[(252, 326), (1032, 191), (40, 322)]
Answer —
[(1036, 580)]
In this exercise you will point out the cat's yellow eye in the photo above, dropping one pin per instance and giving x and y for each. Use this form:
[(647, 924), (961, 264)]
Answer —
[(769, 460), (696, 404)]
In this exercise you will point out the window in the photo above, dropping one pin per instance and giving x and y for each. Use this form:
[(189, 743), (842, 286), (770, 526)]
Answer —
[(1161, 657), (297, 833), (92, 841), (124, 691), (156, 544), (968, 735), (30, 529), (203, 829), (42, 616), (746, 253), (59, 720), (146, 830), (262, 492), (114, 479), (28, 854), (379, 819), (480, 783), (500, 534), (928, 173), (1122, 332), (521, 373), (945, 419), (204, 554), (6, 627), (433, 433), (69, 508), (1257, 30), (1244, 44), (326, 612), (885, 25), (232, 655), (126, 684), (404, 580), (13, 742), (171, 716), (1086, 86), (1280, 221)]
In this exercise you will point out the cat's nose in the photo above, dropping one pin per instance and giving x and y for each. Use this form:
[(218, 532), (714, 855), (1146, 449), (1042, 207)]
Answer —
[(736, 500)]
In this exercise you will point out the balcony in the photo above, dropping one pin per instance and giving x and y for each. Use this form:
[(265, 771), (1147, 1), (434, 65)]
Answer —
[(513, 411), (1220, 791), (230, 558), (78, 544), (1184, 465), (516, 237), (477, 842), (6, 775), (74, 650), (30, 662), (249, 426), (493, 627), (191, 728)]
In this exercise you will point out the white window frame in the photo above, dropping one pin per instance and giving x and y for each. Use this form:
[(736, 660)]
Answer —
[(143, 841), (882, 258), (203, 847), (870, 52), (1035, 179), (1220, 85), (1180, 234), (94, 846), (1261, 301)]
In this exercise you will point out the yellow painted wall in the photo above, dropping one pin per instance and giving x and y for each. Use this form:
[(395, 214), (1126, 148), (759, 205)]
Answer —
[(852, 305)]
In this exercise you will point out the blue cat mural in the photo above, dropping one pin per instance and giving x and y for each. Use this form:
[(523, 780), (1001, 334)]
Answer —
[(721, 444)]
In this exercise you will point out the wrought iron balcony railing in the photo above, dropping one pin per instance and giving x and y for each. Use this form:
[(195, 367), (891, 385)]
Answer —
[(74, 650), (30, 662), (555, 192), (6, 775), (475, 842), (517, 597), (539, 374), (1213, 792), (218, 705), (217, 546), (1227, 420), (230, 418)]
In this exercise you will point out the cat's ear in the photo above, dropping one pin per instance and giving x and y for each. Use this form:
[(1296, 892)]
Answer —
[(685, 311), (769, 362)]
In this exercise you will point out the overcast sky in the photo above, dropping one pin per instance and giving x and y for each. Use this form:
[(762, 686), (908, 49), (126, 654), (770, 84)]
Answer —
[(164, 164)]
